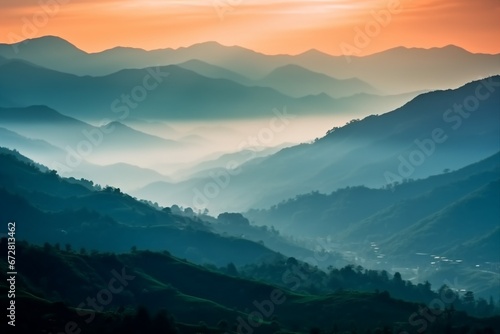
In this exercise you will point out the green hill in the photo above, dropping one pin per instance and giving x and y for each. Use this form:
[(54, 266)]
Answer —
[(192, 294), (53, 209)]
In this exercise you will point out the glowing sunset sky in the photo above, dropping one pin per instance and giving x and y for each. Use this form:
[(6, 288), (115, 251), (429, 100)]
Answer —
[(268, 26)]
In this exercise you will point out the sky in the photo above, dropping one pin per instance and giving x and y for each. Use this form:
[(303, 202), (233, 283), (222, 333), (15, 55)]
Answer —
[(359, 27)]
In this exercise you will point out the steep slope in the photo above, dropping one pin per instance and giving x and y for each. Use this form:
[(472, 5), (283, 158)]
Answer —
[(49, 208), (394, 71), (361, 214), (407, 212), (39, 150), (121, 175), (80, 142), (297, 81), (154, 93), (422, 138), (215, 72), (474, 215), (436, 228), (160, 280)]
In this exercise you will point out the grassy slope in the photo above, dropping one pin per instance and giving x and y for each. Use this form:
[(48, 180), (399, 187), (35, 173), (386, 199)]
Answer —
[(193, 293)]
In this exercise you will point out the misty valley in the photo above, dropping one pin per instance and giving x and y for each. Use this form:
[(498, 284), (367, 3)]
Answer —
[(215, 189)]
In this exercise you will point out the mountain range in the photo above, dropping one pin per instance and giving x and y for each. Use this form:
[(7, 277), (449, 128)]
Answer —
[(424, 69), (195, 171), (164, 93), (375, 151), (222, 304)]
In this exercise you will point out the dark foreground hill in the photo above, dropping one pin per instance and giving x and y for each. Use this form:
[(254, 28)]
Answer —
[(48, 208), (99, 293)]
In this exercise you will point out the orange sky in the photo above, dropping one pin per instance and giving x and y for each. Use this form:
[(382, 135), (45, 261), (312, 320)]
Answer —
[(268, 26)]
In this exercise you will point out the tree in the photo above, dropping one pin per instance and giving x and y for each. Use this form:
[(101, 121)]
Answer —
[(142, 320), (235, 219), (162, 323), (292, 261), (397, 278), (47, 247), (469, 297), (231, 269), (189, 212), (445, 292), (223, 325)]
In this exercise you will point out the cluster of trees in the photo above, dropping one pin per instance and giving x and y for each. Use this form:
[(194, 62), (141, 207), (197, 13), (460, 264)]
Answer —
[(121, 317), (315, 281)]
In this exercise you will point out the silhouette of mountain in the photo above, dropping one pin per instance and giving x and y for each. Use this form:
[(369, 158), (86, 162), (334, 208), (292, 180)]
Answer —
[(170, 95), (474, 215), (38, 149), (70, 135), (297, 81), (385, 211), (120, 175), (376, 151), (159, 280), (291, 80), (52, 209), (452, 215), (395, 71), (223, 161), (215, 72)]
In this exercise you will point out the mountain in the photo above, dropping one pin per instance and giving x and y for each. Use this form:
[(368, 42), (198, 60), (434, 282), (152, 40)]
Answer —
[(48, 51), (215, 72), (156, 128), (410, 209), (292, 80), (136, 139), (395, 71), (403, 69), (78, 141), (403, 226), (474, 215), (232, 160), (48, 208), (38, 149), (421, 138), (159, 280), (120, 175), (478, 248), (298, 81), (170, 94), (385, 211), (44, 123)]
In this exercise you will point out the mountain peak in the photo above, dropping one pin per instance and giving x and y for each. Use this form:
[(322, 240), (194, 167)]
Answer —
[(40, 113), (116, 124), (404, 49), (48, 46), (50, 40), (313, 52)]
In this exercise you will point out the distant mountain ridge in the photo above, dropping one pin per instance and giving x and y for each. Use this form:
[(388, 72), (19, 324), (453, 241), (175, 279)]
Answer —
[(373, 152), (171, 97), (64, 144), (423, 69), (448, 221), (53, 209)]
